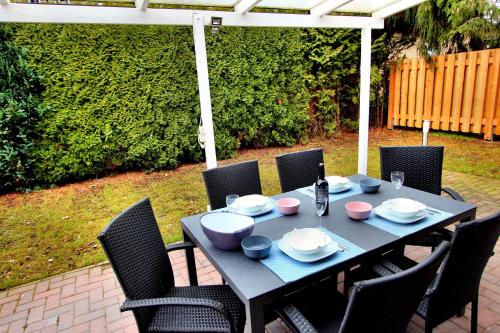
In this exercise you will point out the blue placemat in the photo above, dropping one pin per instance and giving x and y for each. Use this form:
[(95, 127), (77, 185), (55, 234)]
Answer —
[(261, 218), (355, 189), (289, 269), (398, 229)]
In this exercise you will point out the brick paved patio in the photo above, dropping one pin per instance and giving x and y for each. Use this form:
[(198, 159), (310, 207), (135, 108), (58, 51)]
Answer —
[(87, 300)]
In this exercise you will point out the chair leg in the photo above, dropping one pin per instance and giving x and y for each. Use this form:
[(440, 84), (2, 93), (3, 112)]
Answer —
[(347, 281), (473, 315)]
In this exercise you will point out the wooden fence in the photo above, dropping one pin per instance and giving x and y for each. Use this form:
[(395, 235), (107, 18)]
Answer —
[(459, 92)]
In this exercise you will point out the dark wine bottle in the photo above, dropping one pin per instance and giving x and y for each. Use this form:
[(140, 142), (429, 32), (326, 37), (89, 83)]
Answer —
[(321, 186)]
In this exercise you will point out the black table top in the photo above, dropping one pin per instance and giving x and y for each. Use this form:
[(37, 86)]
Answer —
[(250, 279)]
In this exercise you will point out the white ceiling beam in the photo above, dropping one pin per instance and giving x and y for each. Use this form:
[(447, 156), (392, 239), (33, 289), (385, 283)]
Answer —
[(396, 8), (40, 13), (245, 6), (4, 2), (328, 6), (141, 4)]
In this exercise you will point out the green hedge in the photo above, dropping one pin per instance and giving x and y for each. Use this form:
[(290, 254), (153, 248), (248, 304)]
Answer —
[(125, 97)]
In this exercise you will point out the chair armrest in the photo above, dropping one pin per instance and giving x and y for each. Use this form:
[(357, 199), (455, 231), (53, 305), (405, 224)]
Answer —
[(294, 318), (177, 301), (454, 194), (179, 246)]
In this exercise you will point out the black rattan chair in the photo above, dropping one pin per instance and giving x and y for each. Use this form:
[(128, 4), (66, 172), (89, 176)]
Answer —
[(240, 178), (298, 169), (457, 283), (423, 168), (383, 305), (422, 165), (135, 249)]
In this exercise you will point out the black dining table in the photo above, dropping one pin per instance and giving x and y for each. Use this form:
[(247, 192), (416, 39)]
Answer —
[(258, 287)]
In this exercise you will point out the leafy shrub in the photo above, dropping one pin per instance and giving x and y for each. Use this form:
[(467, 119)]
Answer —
[(19, 113), (125, 97)]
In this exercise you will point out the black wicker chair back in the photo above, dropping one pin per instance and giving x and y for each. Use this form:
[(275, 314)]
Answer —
[(136, 251), (458, 282), (387, 304), (240, 178), (298, 169), (422, 166)]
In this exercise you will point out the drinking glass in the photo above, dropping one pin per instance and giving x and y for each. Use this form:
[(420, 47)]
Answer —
[(232, 202), (321, 203), (397, 179)]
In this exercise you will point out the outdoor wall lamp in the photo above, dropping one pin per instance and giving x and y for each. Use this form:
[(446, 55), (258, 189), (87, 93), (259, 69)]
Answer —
[(216, 23)]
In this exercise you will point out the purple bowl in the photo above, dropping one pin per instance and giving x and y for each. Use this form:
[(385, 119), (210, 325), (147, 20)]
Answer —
[(226, 230)]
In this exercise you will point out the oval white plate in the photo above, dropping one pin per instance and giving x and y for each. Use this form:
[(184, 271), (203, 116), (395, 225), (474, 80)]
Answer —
[(386, 213), (342, 189), (307, 240), (266, 209), (326, 252)]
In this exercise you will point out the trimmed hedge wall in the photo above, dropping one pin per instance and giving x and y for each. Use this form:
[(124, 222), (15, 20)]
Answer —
[(126, 97)]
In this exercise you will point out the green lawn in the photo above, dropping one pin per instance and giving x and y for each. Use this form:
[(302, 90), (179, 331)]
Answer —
[(53, 231)]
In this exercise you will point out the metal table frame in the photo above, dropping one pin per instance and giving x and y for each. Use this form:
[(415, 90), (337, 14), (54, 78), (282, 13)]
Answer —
[(258, 287)]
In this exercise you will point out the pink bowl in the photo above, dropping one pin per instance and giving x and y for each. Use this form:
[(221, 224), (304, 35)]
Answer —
[(288, 206), (358, 210)]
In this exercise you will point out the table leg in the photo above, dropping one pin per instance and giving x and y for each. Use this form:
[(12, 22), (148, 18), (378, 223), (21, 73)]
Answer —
[(191, 264), (255, 317)]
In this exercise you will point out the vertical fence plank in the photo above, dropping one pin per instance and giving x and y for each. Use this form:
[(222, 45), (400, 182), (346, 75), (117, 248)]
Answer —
[(458, 89), (412, 91), (404, 94), (447, 92), (429, 92), (469, 86), (480, 91), (459, 92), (496, 121), (397, 95), (438, 93), (492, 95), (392, 78), (419, 105)]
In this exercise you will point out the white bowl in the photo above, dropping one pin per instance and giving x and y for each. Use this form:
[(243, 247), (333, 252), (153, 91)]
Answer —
[(307, 240), (404, 208), (337, 182), (252, 203)]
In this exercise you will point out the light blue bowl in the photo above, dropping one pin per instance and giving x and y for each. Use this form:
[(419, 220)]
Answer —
[(370, 185), (257, 246)]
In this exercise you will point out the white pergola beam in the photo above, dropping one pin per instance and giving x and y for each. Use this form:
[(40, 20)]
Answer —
[(396, 8), (141, 4), (245, 6), (364, 99), (328, 6), (41, 13), (204, 89)]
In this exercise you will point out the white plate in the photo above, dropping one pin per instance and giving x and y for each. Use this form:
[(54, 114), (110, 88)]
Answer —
[(266, 209), (307, 240), (326, 252), (386, 213), (330, 190), (341, 189)]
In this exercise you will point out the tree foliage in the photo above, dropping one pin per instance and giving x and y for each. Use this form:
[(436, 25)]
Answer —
[(126, 97), (449, 26), (19, 113)]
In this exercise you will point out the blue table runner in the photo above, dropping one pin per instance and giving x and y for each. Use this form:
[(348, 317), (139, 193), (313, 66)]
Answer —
[(288, 269)]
